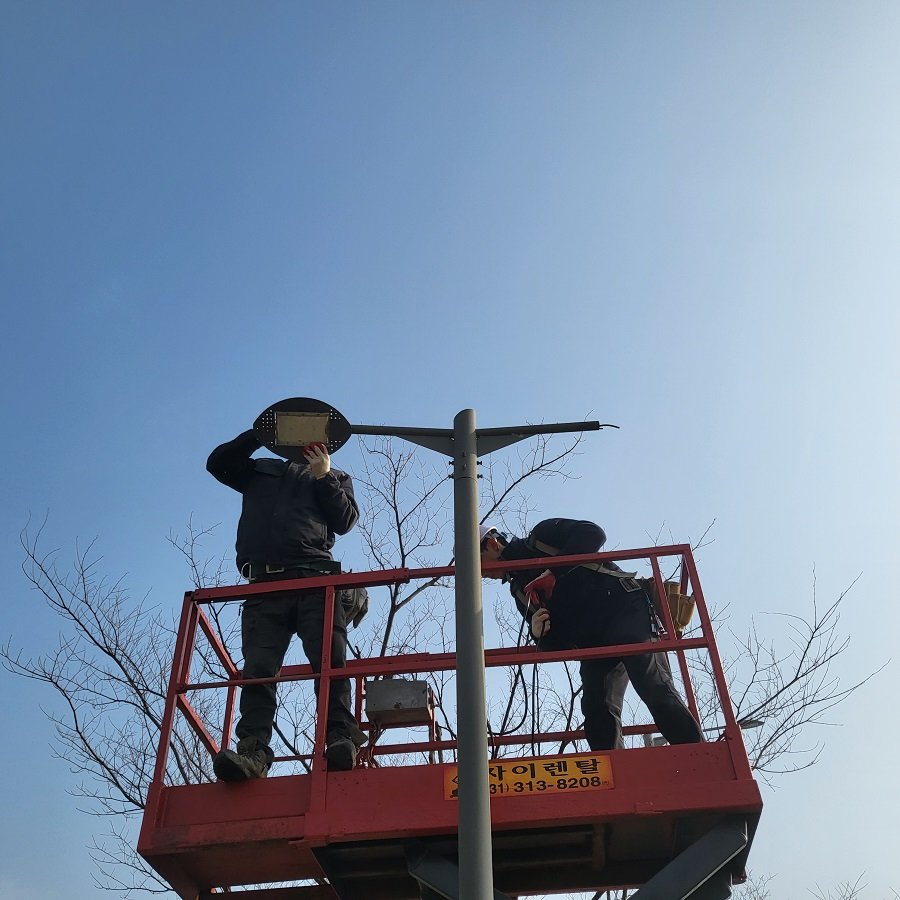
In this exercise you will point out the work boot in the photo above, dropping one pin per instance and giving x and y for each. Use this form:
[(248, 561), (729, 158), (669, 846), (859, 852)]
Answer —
[(340, 751), (250, 761)]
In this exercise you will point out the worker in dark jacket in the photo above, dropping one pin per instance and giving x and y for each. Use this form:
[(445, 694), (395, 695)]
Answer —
[(291, 513), (592, 606)]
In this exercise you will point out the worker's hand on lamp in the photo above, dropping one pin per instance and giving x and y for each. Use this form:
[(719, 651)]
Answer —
[(541, 587), (540, 623), (318, 459)]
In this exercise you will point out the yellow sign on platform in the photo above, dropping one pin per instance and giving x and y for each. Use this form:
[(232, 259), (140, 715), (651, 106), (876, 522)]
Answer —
[(540, 775)]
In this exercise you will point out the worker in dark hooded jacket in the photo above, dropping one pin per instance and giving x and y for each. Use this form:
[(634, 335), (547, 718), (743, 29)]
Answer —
[(290, 515), (579, 606)]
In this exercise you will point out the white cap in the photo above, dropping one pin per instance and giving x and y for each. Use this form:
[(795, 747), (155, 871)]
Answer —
[(484, 531)]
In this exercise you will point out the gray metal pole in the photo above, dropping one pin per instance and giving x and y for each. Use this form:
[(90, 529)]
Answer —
[(476, 877)]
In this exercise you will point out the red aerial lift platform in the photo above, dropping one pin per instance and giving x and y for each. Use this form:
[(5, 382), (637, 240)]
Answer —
[(676, 821)]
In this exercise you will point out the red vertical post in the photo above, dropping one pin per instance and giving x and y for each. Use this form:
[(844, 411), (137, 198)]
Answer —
[(319, 784), (732, 730), (358, 702), (670, 630), (228, 721), (181, 665)]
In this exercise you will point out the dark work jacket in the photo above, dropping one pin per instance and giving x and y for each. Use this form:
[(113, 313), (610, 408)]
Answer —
[(288, 516), (576, 615)]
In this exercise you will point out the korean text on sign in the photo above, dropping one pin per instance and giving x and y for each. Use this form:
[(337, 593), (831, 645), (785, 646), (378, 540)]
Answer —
[(559, 774)]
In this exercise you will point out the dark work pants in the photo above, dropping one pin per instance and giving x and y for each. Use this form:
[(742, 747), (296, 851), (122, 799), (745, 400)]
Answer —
[(603, 686), (624, 618), (267, 626)]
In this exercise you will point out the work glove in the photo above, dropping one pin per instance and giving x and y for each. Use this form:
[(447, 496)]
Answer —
[(540, 623), (318, 459), (541, 588)]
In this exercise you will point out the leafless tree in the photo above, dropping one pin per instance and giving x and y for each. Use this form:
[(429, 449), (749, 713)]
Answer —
[(778, 692), (755, 888), (406, 522), (844, 891), (110, 672), (758, 889)]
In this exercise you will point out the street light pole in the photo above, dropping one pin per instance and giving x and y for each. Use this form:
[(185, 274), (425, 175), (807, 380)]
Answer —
[(475, 866)]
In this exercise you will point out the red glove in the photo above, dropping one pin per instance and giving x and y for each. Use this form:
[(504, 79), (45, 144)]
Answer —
[(541, 589)]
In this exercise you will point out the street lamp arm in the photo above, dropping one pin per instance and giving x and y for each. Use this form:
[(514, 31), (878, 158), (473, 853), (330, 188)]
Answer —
[(543, 429), (400, 431), (487, 439)]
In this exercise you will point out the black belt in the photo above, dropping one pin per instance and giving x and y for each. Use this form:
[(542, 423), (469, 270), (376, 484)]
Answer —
[(256, 571)]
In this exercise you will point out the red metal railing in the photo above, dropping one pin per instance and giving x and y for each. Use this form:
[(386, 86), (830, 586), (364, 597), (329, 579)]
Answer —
[(194, 617)]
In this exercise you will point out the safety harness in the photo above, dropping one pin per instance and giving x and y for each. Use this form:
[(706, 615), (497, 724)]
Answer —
[(627, 580), (680, 605)]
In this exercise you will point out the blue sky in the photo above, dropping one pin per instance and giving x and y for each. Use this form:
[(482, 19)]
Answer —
[(680, 218)]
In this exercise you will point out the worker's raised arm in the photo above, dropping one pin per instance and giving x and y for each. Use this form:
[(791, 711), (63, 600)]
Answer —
[(231, 462)]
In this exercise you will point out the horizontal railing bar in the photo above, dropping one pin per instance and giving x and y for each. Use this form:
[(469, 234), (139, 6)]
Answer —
[(543, 737), (404, 576), (443, 662)]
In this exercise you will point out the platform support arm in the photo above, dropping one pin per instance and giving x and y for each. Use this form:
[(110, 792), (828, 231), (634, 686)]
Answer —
[(438, 878), (697, 872)]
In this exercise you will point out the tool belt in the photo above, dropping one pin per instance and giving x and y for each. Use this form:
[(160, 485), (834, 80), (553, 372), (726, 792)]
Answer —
[(356, 604), (680, 605)]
